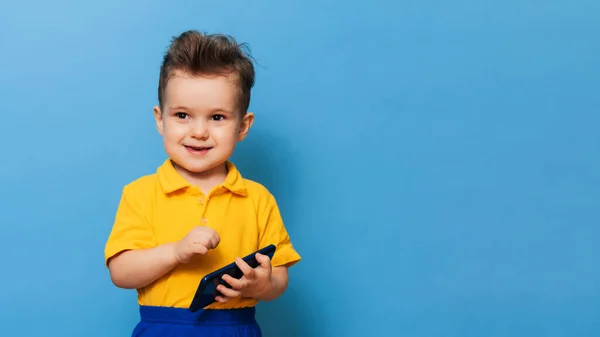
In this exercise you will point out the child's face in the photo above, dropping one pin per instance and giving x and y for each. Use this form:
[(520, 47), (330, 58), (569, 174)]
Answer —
[(200, 123)]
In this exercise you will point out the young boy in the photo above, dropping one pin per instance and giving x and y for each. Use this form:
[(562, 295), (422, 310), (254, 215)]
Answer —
[(197, 213)]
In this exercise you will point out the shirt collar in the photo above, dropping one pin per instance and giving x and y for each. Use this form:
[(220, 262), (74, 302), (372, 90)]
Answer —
[(170, 180)]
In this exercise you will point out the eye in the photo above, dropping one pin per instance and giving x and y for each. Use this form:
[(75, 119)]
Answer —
[(181, 115), (218, 117)]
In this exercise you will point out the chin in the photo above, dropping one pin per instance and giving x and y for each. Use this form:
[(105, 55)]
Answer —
[(197, 164), (192, 167)]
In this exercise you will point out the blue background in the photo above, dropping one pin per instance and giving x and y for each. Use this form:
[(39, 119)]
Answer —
[(436, 162)]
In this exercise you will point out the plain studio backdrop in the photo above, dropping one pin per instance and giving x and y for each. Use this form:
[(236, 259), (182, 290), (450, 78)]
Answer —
[(436, 162)]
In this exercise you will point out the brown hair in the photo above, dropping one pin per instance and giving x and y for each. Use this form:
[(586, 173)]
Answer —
[(197, 53)]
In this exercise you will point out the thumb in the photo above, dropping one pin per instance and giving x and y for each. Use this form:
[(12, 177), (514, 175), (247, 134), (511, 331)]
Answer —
[(200, 249), (264, 260)]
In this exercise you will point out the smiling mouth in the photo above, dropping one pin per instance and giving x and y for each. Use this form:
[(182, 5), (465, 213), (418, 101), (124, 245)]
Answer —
[(195, 149)]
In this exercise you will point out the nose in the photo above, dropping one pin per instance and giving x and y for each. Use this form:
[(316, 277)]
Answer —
[(200, 129)]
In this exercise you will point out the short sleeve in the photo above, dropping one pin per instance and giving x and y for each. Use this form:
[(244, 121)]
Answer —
[(131, 229), (274, 232)]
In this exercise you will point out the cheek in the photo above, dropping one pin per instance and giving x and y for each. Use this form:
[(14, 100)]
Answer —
[(175, 131), (225, 134)]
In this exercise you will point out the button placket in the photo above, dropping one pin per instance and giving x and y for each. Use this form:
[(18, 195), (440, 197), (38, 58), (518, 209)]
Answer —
[(203, 201)]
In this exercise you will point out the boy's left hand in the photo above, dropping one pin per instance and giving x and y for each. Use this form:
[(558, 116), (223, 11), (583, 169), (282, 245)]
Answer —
[(254, 283)]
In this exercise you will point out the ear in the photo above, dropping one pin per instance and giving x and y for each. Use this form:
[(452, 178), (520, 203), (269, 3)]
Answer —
[(159, 119), (245, 125)]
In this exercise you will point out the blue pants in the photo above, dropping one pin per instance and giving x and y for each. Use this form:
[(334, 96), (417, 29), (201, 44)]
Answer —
[(179, 322)]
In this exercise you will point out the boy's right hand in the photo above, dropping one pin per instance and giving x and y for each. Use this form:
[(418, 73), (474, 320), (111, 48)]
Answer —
[(198, 241)]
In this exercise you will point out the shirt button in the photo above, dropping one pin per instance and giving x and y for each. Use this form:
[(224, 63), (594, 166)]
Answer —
[(201, 200), (204, 220)]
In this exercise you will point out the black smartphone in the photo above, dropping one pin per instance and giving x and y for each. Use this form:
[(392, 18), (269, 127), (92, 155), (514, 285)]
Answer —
[(207, 289)]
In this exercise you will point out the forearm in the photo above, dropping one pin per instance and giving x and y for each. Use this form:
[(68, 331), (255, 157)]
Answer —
[(138, 268), (279, 283)]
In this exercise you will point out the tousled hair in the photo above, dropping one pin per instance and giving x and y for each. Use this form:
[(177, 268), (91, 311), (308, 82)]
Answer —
[(198, 53)]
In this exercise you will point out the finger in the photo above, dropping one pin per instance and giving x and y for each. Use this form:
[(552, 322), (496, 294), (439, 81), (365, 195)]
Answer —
[(264, 261), (210, 239), (222, 299), (203, 241), (215, 240), (231, 293), (200, 249), (209, 244), (234, 283), (245, 268)]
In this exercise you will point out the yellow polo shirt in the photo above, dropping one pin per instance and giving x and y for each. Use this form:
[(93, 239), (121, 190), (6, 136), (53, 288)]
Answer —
[(163, 207)]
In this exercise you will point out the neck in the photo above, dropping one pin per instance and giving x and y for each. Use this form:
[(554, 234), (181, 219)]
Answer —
[(206, 180)]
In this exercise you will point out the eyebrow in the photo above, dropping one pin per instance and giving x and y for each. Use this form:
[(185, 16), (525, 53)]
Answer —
[(181, 107), (178, 108)]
